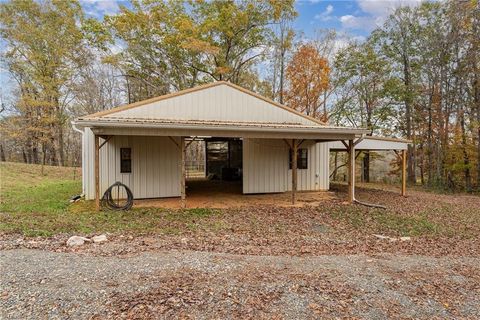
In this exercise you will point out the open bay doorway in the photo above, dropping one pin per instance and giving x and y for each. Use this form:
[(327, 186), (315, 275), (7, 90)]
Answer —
[(214, 167)]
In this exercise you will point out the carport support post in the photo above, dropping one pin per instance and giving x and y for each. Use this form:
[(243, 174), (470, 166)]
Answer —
[(183, 172), (404, 172), (351, 171), (97, 173), (294, 169)]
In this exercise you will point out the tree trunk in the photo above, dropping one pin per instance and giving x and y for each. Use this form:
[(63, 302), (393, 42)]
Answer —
[(408, 119), (366, 166), (422, 164), (52, 153), (366, 158), (466, 159), (2, 153), (28, 148), (429, 139), (477, 103), (35, 154), (60, 147), (24, 156), (335, 161), (282, 67)]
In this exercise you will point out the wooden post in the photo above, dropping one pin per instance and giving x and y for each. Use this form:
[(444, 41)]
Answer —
[(183, 172), (404, 173), (97, 173), (351, 171), (294, 170)]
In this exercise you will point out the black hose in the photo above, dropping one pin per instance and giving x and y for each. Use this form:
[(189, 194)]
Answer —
[(109, 203)]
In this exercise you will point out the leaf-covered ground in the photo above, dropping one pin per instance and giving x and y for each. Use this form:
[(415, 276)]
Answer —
[(436, 224), (331, 260)]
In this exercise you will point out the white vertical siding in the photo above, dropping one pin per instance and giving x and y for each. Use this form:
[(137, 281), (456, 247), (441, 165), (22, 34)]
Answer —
[(316, 176), (218, 103), (155, 166), (88, 178), (266, 170), (265, 165)]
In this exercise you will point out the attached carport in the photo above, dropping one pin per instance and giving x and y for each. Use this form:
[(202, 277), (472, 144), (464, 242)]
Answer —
[(371, 143)]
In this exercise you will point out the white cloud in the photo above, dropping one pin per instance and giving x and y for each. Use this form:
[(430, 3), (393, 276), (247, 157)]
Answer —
[(329, 9), (382, 8), (325, 15), (373, 13), (98, 8), (359, 22)]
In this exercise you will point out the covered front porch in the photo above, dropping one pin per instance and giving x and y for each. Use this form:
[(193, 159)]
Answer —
[(222, 193)]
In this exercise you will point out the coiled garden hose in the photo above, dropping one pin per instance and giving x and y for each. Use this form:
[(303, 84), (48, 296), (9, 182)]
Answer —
[(109, 202)]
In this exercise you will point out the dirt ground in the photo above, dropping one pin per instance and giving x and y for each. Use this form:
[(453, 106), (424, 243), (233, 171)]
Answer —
[(418, 259), (203, 193)]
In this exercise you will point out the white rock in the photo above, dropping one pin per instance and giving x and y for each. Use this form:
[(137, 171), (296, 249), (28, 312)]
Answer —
[(77, 241), (379, 236), (405, 238), (100, 238)]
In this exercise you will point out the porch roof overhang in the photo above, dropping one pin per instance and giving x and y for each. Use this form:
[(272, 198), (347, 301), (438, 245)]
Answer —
[(174, 127), (372, 143)]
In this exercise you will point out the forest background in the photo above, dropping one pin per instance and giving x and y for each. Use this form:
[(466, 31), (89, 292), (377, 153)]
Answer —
[(416, 75)]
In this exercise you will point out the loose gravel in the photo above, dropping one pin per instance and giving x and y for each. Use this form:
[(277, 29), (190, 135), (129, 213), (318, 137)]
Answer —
[(38, 284)]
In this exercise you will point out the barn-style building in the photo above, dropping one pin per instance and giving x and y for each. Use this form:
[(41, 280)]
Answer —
[(265, 146)]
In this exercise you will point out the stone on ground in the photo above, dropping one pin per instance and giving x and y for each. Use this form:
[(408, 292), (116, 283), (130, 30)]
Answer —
[(76, 241), (100, 238)]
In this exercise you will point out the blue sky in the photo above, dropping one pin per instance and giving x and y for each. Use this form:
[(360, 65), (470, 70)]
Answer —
[(355, 17)]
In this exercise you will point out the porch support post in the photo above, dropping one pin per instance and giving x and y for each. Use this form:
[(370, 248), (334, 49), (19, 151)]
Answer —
[(97, 173), (294, 170), (183, 172), (351, 171), (404, 172)]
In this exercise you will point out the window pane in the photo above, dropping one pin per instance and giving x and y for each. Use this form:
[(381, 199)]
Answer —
[(302, 159), (125, 160)]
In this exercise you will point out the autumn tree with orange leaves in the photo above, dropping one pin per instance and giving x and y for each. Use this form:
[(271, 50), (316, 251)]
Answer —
[(308, 78)]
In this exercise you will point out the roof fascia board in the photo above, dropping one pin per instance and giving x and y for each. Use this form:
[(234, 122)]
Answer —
[(218, 132), (106, 124), (388, 144)]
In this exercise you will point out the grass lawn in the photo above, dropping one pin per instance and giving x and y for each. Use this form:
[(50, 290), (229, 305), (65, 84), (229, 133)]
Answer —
[(36, 204)]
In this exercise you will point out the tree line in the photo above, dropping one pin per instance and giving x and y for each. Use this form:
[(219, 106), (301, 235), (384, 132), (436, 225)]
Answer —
[(415, 77)]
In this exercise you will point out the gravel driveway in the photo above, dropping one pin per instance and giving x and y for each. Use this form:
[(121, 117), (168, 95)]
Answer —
[(38, 284)]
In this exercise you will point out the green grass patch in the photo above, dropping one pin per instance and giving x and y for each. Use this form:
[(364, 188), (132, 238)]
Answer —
[(37, 204)]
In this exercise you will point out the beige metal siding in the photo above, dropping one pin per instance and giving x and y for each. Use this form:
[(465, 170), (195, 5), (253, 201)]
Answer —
[(265, 166), (155, 166), (218, 103), (316, 176), (88, 149)]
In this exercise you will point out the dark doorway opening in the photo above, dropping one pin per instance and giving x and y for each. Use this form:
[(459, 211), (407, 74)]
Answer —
[(224, 159)]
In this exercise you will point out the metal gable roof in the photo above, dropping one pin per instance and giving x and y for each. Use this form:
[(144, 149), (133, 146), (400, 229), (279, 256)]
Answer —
[(217, 101)]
